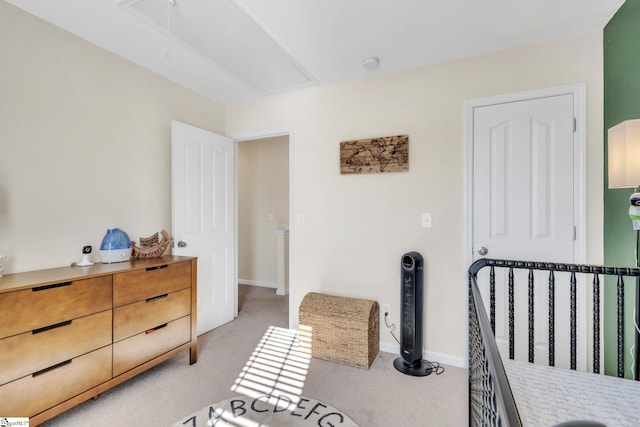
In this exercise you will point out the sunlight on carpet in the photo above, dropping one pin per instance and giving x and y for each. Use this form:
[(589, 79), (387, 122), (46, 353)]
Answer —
[(271, 385), (278, 365)]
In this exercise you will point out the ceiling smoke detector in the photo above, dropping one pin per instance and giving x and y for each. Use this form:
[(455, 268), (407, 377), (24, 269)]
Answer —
[(371, 63)]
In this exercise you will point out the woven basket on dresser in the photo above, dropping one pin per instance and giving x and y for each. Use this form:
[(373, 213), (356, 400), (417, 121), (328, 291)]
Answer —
[(343, 330)]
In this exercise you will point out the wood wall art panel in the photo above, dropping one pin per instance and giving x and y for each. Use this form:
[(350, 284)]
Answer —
[(375, 155)]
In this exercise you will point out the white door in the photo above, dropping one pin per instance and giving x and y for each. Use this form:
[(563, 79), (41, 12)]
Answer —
[(523, 207), (523, 179), (202, 170)]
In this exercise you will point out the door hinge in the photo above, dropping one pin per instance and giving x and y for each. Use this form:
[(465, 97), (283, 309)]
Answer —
[(575, 125), (575, 232)]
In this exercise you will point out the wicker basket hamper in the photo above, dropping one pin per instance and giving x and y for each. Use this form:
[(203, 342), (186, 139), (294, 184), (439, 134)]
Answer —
[(343, 330)]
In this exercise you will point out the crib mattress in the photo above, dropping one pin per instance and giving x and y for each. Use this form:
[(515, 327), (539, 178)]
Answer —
[(546, 396)]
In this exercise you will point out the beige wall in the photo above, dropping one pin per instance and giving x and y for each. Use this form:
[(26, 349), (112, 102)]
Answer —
[(356, 227), (263, 207), (84, 143), (84, 146)]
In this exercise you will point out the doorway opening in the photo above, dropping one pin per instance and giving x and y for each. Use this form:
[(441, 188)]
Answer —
[(264, 176)]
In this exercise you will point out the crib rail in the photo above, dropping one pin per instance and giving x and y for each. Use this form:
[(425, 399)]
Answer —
[(491, 402), (490, 399)]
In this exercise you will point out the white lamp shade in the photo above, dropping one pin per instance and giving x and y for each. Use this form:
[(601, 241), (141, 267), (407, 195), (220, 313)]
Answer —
[(624, 154)]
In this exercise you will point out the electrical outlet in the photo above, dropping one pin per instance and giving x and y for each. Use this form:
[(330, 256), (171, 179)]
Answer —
[(426, 220), (386, 308)]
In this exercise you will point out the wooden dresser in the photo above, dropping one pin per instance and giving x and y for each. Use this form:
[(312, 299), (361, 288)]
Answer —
[(69, 334)]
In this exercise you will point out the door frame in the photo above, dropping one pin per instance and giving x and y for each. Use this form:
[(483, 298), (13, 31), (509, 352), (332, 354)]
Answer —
[(263, 134), (578, 90)]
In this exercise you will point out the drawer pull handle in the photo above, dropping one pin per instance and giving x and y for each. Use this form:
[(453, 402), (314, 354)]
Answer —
[(51, 368), (157, 267), (48, 328), (156, 298), (45, 287), (148, 331)]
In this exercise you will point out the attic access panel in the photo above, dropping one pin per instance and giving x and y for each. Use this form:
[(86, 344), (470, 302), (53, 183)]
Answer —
[(220, 32)]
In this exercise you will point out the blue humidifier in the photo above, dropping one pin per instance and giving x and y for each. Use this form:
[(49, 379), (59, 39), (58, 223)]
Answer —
[(115, 247)]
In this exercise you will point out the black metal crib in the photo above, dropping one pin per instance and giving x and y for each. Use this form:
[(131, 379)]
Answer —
[(491, 402)]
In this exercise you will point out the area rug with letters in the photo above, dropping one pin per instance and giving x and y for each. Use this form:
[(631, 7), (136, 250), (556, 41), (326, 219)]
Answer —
[(267, 411)]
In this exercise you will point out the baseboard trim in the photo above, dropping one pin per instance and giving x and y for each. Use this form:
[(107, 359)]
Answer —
[(257, 283), (445, 359)]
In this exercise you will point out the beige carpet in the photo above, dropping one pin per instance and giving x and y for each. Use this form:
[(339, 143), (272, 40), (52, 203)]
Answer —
[(379, 396)]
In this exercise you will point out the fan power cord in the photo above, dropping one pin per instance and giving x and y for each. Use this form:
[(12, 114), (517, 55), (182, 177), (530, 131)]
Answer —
[(436, 366), (390, 327)]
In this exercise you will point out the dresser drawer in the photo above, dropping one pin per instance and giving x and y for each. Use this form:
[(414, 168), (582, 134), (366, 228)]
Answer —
[(140, 316), (32, 394), (138, 349), (29, 352), (50, 304), (138, 285)]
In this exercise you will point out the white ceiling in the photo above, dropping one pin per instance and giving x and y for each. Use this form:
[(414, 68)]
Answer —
[(236, 50)]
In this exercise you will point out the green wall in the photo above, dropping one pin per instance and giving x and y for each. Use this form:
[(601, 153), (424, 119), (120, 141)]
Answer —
[(621, 102)]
